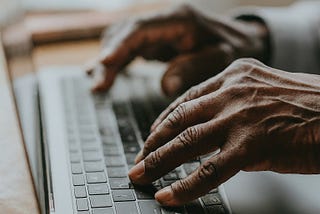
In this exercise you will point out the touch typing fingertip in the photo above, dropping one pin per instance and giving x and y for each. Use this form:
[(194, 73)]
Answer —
[(165, 196), (137, 172)]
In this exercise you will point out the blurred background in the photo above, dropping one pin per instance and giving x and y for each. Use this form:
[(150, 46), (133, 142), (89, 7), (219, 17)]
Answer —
[(48, 32), (11, 9)]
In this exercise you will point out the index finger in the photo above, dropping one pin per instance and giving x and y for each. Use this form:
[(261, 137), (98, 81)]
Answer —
[(194, 92)]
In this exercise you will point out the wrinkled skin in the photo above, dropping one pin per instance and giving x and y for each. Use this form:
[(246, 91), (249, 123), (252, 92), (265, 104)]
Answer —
[(189, 41), (259, 117)]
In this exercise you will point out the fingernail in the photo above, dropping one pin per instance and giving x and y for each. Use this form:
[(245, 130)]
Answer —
[(139, 157), (173, 85), (136, 172), (165, 196)]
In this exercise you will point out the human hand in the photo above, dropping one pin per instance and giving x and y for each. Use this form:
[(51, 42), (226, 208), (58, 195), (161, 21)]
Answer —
[(196, 47), (259, 117)]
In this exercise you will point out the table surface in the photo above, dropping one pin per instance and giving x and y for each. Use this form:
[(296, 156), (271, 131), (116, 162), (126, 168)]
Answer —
[(16, 188)]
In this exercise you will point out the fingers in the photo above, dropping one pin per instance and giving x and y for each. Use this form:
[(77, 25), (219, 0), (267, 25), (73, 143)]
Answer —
[(105, 83), (211, 174), (103, 77), (174, 77), (185, 115), (160, 37), (190, 69), (193, 93), (192, 142)]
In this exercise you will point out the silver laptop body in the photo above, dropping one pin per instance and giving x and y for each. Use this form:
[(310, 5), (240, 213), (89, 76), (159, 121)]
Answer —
[(94, 126), (247, 192)]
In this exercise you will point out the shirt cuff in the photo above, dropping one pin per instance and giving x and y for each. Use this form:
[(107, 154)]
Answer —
[(294, 35)]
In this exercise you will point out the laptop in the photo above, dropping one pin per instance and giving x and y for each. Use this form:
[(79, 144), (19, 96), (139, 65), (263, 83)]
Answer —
[(86, 143)]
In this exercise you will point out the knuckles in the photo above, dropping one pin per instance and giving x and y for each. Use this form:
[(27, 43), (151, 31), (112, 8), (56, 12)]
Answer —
[(177, 116), (247, 62), (181, 186), (242, 77), (207, 171), (243, 67), (153, 160), (193, 92), (188, 137)]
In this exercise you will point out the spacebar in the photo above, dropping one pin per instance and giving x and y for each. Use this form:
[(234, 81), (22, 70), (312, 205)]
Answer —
[(126, 207), (148, 207)]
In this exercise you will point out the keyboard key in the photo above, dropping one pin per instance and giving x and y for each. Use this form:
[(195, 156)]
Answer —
[(111, 150), (147, 207), (73, 148), (78, 180), (120, 183), (131, 148), (92, 156), (166, 183), (97, 201), (157, 183), (190, 167), (82, 204), (98, 189), (75, 158), (108, 141), (130, 157), (172, 210), (86, 132), (88, 138), (72, 140), (76, 168), (194, 207), (105, 131), (215, 190), (120, 109), (117, 172), (114, 161), (123, 195), (171, 176), (128, 136), (126, 207), (93, 166), (97, 177), (145, 193), (90, 147), (83, 212), (80, 191), (211, 199), (215, 209), (84, 128), (108, 210)]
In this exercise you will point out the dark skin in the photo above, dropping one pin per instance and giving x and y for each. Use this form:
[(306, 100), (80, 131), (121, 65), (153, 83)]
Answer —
[(190, 42), (259, 118)]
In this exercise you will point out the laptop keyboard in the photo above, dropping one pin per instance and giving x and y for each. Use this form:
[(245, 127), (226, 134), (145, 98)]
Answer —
[(103, 140)]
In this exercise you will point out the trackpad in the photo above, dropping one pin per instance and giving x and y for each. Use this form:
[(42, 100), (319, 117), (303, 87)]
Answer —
[(267, 192)]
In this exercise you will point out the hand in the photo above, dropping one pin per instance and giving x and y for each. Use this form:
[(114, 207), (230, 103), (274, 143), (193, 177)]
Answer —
[(259, 117), (196, 46)]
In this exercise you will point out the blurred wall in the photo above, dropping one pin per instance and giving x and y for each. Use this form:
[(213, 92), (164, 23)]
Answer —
[(226, 5), (265, 3)]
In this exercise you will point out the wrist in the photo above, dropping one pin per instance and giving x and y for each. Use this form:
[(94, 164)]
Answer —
[(258, 32)]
